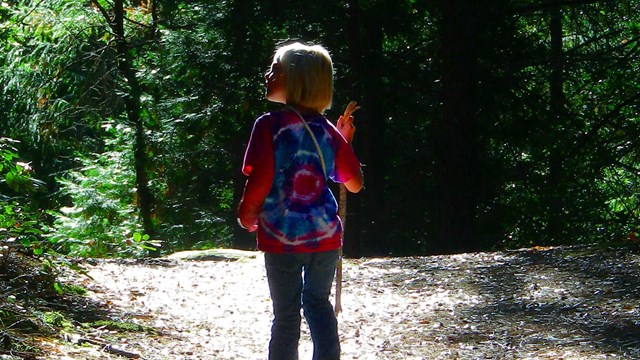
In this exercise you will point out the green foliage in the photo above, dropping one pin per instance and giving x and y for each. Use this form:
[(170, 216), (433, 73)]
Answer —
[(56, 319), (20, 220), (102, 219), (121, 326), (42, 77), (196, 127), (545, 176), (623, 187)]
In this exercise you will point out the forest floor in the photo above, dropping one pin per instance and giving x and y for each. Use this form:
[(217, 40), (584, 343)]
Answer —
[(542, 303)]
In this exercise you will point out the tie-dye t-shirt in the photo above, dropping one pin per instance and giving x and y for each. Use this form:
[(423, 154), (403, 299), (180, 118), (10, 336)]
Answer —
[(299, 213)]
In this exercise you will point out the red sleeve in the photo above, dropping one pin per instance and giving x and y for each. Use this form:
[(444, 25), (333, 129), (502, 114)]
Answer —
[(259, 167), (347, 164)]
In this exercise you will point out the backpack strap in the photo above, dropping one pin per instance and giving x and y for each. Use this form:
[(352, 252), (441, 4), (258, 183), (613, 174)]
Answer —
[(313, 137)]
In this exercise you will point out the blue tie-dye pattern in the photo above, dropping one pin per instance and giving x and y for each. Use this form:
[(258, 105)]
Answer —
[(294, 220)]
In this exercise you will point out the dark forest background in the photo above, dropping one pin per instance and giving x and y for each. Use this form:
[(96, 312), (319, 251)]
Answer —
[(484, 124)]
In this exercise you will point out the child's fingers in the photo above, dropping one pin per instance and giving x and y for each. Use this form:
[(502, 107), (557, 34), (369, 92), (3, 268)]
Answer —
[(350, 109)]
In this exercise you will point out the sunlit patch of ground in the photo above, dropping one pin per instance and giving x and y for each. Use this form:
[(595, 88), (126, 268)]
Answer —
[(530, 304)]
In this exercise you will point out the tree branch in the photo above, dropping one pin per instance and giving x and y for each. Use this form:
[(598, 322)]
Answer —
[(138, 23), (594, 39), (108, 348), (31, 11), (586, 136), (104, 12), (629, 168)]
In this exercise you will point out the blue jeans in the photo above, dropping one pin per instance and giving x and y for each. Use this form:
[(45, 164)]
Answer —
[(302, 280)]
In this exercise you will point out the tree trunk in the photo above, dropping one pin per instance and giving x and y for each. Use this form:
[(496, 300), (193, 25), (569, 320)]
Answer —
[(455, 133), (552, 194), (134, 109)]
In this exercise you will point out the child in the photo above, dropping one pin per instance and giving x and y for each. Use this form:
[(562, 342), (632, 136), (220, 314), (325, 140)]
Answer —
[(291, 154)]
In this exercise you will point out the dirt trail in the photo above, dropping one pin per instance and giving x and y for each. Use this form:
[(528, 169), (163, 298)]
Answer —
[(533, 304)]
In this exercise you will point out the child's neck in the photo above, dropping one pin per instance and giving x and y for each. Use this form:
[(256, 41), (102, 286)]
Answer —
[(301, 109)]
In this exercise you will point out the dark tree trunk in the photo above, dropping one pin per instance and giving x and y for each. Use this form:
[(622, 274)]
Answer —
[(455, 133), (552, 194), (133, 109)]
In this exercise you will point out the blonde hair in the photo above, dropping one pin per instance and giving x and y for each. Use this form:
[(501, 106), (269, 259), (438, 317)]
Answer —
[(308, 72)]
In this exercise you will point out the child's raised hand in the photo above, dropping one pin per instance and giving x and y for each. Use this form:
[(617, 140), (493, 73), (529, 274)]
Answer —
[(345, 122)]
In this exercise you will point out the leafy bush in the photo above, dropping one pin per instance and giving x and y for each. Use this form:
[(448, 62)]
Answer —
[(102, 219), (19, 218)]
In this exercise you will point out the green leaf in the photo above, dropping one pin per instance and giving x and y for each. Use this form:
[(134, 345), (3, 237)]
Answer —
[(58, 288), (137, 237)]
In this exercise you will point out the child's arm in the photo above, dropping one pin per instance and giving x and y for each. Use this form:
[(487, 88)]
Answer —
[(255, 191), (259, 167), (355, 184)]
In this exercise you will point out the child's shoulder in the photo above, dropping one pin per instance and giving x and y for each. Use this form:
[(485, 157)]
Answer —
[(274, 115), (268, 119), (275, 121)]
